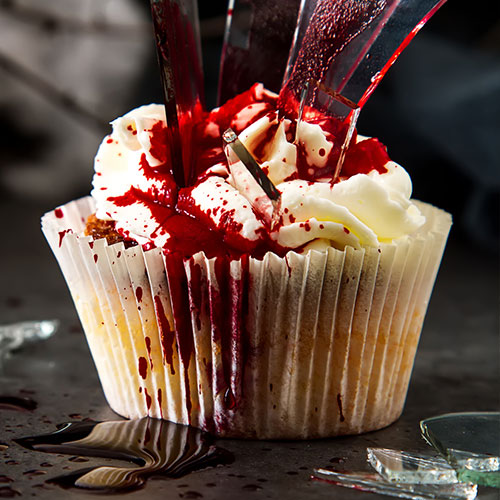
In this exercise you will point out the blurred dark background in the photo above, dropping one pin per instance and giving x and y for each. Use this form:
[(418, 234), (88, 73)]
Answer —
[(67, 67)]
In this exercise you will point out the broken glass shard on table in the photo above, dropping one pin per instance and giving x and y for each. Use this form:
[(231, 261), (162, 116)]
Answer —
[(15, 335), (470, 442), (373, 482), (403, 467)]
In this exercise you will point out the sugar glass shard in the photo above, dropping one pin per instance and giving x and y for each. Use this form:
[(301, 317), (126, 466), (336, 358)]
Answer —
[(250, 179), (349, 45), (467, 440), (336, 115), (367, 481), (403, 467), (470, 442), (475, 461), (257, 41), (177, 35)]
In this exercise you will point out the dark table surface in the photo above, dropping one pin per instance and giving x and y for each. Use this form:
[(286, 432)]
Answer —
[(457, 369)]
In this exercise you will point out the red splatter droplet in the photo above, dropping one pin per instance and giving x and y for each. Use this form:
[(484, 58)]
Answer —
[(143, 367), (339, 404), (159, 398), (148, 398), (62, 234)]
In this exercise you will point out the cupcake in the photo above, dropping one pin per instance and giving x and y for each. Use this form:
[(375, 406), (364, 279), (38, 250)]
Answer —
[(199, 312)]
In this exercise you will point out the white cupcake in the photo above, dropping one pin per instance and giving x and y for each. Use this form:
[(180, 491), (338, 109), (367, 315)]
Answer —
[(313, 342), (323, 343)]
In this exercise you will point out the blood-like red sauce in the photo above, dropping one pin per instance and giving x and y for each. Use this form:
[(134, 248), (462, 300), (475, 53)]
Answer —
[(142, 366), (167, 334), (259, 149), (365, 156), (159, 142), (179, 299), (191, 229), (197, 290), (148, 347), (62, 234), (148, 398), (159, 399), (339, 404)]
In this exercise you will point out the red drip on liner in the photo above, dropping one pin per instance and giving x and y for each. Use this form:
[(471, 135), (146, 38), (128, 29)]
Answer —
[(179, 298), (148, 399), (148, 347), (159, 399), (240, 341), (339, 404), (62, 234), (197, 291), (221, 308), (142, 366), (167, 334)]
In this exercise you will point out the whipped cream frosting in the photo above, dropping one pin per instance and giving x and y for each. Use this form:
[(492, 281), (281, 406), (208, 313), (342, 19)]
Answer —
[(368, 205)]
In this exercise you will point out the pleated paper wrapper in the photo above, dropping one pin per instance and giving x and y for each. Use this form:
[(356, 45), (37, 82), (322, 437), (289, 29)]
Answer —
[(300, 347)]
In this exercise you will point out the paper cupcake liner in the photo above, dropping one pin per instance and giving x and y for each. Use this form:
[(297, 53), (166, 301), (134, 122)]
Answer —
[(304, 346)]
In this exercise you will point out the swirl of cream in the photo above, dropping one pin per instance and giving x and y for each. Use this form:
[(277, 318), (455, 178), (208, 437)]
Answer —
[(129, 185), (361, 210)]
